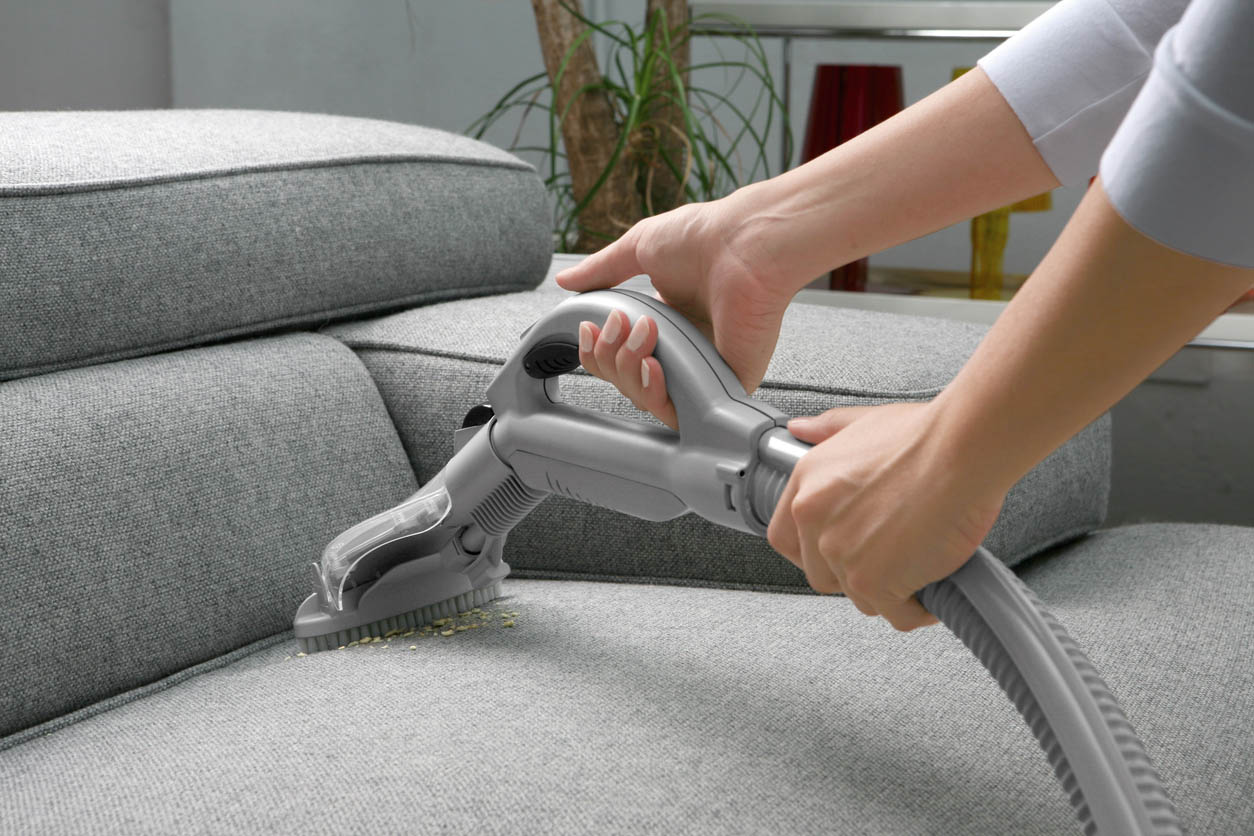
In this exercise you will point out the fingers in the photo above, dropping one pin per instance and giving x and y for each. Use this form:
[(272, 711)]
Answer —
[(605, 268), (654, 397), (815, 428), (620, 353), (781, 533), (799, 541), (872, 597), (820, 574), (613, 334), (588, 335), (637, 345), (905, 615)]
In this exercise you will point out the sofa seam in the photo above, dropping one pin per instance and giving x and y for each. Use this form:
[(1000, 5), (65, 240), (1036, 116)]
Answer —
[(1069, 536), (315, 322), (25, 190), (132, 695), (361, 346), (656, 580), (165, 683)]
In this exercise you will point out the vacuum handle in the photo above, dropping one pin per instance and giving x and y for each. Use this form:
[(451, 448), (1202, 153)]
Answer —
[(638, 468), (706, 392)]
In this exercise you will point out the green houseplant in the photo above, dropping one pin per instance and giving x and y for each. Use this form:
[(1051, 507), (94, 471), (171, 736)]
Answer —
[(645, 134)]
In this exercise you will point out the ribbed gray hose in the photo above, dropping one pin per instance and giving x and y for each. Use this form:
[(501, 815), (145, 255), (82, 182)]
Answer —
[(1093, 749)]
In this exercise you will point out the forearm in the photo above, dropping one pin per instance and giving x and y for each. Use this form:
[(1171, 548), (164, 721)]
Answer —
[(960, 152), (1105, 308)]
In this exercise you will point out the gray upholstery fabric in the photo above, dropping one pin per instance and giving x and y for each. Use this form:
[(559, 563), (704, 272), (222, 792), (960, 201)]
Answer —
[(614, 708), (433, 363), (126, 233), (161, 511), (59, 151)]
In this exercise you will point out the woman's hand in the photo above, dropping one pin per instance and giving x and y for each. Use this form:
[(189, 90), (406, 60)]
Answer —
[(703, 270), (880, 508)]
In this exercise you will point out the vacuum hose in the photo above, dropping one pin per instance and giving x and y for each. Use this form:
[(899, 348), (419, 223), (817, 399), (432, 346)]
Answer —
[(1093, 749), (729, 464)]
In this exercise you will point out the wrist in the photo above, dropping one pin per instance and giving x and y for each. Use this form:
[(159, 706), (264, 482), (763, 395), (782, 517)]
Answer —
[(959, 444), (785, 229), (746, 233)]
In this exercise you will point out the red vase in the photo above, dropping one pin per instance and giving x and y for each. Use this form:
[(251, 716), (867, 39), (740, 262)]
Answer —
[(847, 100)]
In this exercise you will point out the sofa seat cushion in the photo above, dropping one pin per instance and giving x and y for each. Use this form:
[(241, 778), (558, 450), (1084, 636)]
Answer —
[(127, 233), (161, 511), (433, 363), (630, 708)]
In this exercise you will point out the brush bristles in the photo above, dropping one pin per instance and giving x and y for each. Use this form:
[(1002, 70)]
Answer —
[(411, 620)]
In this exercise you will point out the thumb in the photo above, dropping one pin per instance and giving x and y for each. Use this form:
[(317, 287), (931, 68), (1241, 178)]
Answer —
[(816, 428), (606, 267)]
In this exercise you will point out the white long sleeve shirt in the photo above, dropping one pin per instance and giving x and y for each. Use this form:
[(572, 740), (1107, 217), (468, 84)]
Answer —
[(1156, 94)]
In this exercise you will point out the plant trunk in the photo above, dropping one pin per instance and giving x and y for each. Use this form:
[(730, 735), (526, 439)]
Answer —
[(590, 131), (662, 188)]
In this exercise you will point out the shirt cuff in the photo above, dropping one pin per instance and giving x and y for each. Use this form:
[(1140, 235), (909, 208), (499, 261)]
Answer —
[(1180, 169), (1070, 76)]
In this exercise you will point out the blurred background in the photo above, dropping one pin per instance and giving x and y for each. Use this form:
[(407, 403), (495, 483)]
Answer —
[(1182, 444), (442, 64)]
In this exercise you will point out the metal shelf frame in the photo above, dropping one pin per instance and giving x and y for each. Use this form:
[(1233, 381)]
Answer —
[(962, 20)]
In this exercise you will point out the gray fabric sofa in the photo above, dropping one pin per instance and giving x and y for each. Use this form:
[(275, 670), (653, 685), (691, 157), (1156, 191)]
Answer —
[(226, 336)]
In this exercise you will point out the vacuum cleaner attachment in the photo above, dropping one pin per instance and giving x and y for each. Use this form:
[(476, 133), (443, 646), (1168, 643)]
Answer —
[(439, 552), (427, 558)]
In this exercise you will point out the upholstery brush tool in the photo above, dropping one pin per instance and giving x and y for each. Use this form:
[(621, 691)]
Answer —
[(440, 551)]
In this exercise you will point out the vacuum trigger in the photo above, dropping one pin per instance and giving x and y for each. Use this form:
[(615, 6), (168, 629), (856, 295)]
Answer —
[(552, 358)]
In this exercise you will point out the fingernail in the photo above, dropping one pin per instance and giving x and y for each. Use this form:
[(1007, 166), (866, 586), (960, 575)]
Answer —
[(644, 374), (638, 332), (800, 423), (610, 332), (585, 337)]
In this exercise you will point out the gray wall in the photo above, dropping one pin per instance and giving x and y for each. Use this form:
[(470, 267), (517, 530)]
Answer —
[(447, 63), (84, 54), (441, 65)]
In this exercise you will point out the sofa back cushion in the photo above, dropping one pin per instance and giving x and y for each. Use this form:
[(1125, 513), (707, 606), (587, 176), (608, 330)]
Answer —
[(826, 357), (127, 233), (161, 511)]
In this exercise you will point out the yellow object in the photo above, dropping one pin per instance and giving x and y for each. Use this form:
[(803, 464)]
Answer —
[(989, 233), (1043, 202), (988, 247)]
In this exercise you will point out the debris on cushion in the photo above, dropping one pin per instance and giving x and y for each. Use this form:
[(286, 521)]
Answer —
[(472, 619)]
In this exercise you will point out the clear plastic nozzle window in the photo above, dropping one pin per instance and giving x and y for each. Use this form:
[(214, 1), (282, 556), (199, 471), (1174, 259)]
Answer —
[(422, 512)]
